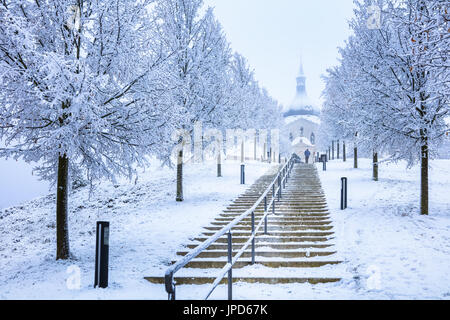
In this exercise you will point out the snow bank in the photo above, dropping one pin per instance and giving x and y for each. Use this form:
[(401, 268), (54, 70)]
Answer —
[(392, 251), (147, 228)]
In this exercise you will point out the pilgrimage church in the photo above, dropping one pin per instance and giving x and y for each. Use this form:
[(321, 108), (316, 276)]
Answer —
[(302, 120)]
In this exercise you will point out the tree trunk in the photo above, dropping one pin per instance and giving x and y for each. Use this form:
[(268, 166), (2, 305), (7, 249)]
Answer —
[(344, 155), (62, 230), (265, 152), (424, 179), (180, 177), (338, 149), (254, 149), (332, 150), (355, 158), (375, 166)]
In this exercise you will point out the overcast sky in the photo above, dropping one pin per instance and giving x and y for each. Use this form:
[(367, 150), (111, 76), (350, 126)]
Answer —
[(272, 34)]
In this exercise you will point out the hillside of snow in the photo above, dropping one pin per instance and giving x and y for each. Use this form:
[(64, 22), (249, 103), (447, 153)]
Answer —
[(147, 227), (388, 250)]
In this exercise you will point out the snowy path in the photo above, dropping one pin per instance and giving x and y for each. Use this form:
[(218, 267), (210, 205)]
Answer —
[(298, 247)]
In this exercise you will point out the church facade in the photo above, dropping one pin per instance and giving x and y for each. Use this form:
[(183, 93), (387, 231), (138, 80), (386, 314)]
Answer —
[(302, 120)]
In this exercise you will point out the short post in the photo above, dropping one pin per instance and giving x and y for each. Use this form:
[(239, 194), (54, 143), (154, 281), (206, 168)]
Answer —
[(242, 173), (254, 235), (230, 272), (101, 254), (343, 193), (219, 165)]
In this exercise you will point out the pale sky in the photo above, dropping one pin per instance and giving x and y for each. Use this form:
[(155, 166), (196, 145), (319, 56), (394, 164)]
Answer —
[(273, 34)]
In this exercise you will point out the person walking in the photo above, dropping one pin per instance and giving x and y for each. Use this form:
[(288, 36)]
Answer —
[(307, 154)]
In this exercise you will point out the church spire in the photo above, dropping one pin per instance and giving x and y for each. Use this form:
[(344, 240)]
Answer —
[(300, 72), (301, 81)]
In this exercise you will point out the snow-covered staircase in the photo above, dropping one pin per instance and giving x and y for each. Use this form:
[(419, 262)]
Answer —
[(298, 245)]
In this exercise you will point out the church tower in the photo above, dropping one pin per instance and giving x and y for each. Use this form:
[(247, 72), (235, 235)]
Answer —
[(301, 118), (301, 105)]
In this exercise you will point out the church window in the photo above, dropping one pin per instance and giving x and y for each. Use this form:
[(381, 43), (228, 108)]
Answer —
[(313, 138), (301, 132)]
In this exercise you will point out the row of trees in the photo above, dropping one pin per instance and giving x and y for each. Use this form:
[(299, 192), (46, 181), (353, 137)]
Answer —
[(390, 92), (91, 88)]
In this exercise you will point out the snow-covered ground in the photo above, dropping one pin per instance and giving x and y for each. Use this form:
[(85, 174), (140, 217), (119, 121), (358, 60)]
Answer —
[(389, 250), (392, 251), (147, 228)]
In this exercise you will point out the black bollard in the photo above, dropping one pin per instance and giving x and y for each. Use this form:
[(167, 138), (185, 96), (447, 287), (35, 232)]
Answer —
[(242, 173), (102, 254), (343, 193)]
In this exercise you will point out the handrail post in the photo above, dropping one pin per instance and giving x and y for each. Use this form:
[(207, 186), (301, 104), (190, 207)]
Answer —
[(253, 240), (279, 188), (170, 286), (273, 206), (265, 212), (230, 272)]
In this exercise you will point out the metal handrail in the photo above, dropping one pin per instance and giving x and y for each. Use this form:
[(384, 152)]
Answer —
[(281, 177)]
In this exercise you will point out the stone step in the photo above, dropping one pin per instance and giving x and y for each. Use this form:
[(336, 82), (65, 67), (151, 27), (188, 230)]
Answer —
[(274, 228), (293, 215), (265, 239), (277, 219), (277, 246), (209, 264), (278, 223), (279, 215), (264, 280), (276, 234), (267, 254)]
